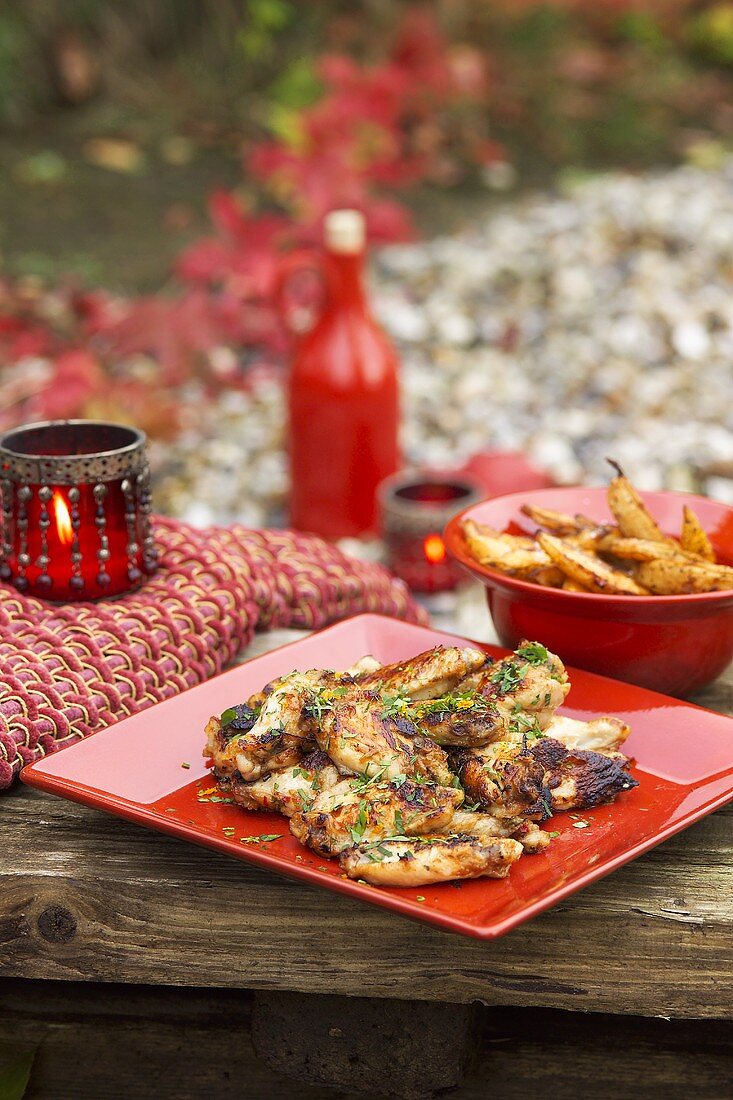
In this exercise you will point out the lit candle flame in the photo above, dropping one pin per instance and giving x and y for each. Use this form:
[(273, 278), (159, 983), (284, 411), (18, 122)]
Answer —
[(63, 519), (434, 549)]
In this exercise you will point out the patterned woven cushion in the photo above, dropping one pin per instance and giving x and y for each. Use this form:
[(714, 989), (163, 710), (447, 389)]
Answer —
[(67, 670)]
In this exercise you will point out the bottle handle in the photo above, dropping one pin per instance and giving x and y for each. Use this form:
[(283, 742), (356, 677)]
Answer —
[(298, 319)]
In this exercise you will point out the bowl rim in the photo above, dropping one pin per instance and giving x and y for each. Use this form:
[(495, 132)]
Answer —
[(455, 545)]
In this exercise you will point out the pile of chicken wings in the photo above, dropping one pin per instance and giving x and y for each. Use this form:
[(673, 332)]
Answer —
[(441, 767)]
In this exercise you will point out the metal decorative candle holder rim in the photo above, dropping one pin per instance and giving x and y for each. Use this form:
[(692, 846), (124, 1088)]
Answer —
[(98, 466), (402, 515), (23, 475)]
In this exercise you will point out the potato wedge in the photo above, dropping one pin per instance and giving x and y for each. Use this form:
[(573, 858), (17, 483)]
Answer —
[(693, 536), (631, 549), (587, 569), (499, 542), (559, 523), (667, 577), (569, 585), (585, 521), (515, 556), (514, 542), (629, 510), (587, 539)]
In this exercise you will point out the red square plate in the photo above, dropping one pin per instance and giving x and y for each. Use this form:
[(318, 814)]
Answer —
[(137, 770)]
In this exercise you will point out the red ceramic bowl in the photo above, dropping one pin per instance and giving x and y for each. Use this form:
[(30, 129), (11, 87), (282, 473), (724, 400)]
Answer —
[(673, 644)]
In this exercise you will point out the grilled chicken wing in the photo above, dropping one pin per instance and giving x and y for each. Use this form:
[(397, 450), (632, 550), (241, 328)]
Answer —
[(603, 735), (430, 859), (579, 779), (218, 745), (360, 737), (290, 790), (466, 722), (353, 674), (396, 821), (426, 676), (280, 726), (485, 826), (526, 687), (355, 812), (505, 779)]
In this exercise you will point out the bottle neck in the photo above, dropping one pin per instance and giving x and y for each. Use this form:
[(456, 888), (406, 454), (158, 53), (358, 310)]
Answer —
[(344, 276)]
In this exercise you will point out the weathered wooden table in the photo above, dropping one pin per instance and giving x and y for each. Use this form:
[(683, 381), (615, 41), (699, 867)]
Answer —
[(141, 966)]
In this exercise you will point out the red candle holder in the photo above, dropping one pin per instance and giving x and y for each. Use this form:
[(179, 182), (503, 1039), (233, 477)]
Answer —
[(415, 507), (75, 509)]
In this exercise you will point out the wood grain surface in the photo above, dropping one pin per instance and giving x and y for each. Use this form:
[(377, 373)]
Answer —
[(184, 1044), (87, 897)]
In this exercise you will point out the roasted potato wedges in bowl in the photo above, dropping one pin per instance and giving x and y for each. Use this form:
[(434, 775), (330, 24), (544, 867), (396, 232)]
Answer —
[(570, 541)]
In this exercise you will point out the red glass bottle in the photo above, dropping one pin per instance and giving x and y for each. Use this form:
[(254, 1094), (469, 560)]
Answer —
[(342, 396)]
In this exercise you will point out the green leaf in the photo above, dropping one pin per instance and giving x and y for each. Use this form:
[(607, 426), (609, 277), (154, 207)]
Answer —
[(14, 1076)]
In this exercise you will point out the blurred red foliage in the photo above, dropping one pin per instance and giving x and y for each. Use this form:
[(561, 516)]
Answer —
[(376, 126), (562, 71)]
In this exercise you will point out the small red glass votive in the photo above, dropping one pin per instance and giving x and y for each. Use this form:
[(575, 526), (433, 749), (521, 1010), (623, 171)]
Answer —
[(415, 507), (75, 509)]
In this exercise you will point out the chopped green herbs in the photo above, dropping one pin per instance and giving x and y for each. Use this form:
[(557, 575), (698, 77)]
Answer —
[(395, 706), (534, 653), (401, 706), (357, 832), (362, 782), (525, 724), (451, 703), (305, 801), (321, 701), (507, 676)]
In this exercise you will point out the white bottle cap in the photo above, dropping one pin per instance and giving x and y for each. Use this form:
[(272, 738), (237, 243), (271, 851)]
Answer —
[(344, 231)]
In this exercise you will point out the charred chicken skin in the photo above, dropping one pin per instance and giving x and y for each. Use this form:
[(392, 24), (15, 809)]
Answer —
[(579, 778), (505, 779), (358, 812), (430, 859), (441, 767)]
